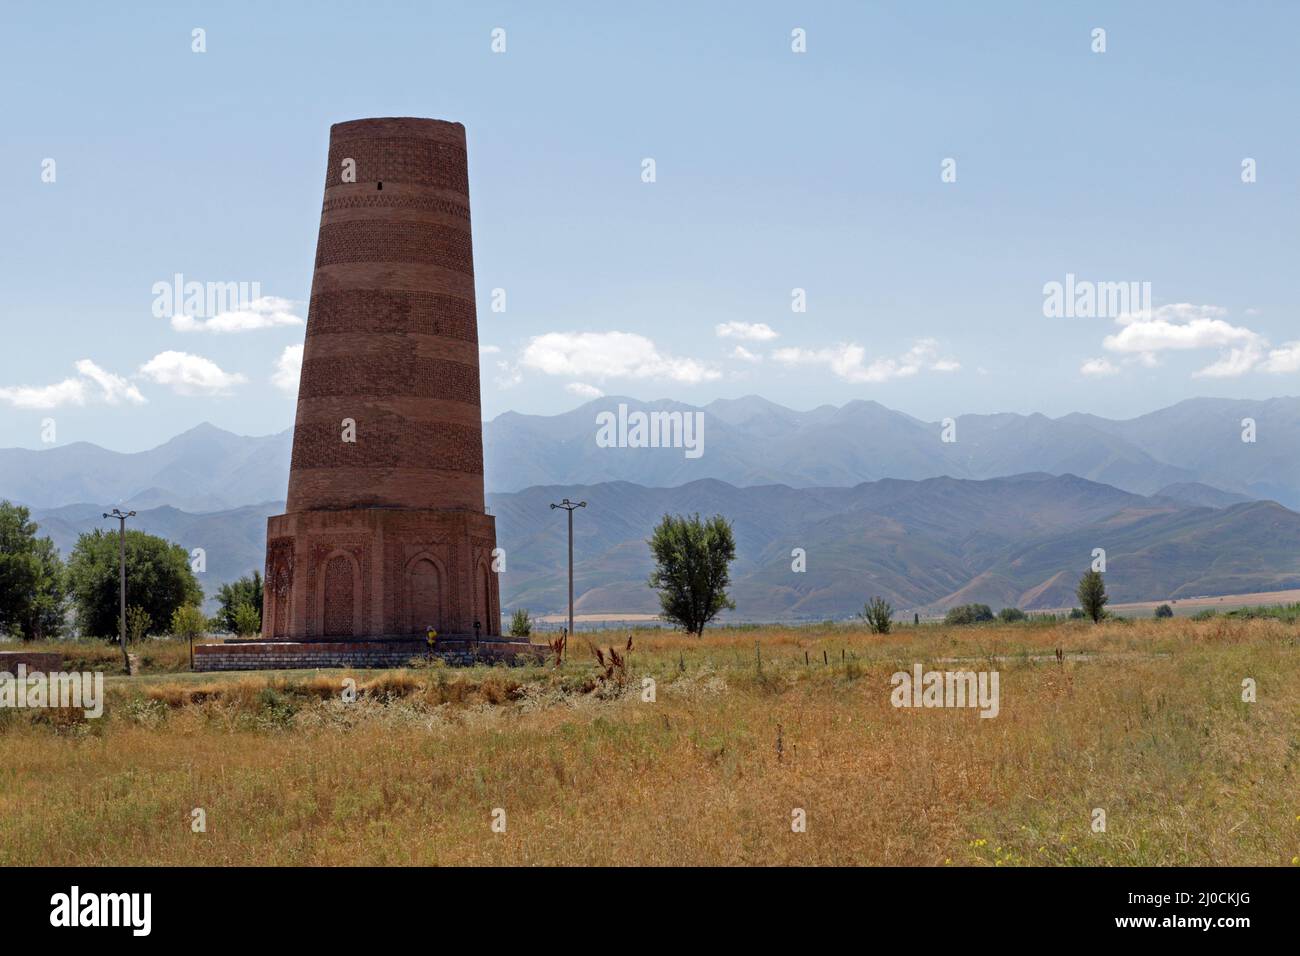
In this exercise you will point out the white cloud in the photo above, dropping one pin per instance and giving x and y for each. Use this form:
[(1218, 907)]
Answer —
[(1174, 312), (509, 376), (1157, 334), (1098, 367), (848, 361), (1184, 326), (71, 391), (605, 355), (1233, 363), (288, 369), (188, 374), (265, 312), (583, 390), (745, 355), (489, 349), (1284, 359), (748, 331), (112, 390)]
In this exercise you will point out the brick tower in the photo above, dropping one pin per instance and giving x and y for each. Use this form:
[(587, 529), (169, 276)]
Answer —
[(385, 532)]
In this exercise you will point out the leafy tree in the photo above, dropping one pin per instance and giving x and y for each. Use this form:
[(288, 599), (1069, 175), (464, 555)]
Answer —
[(158, 579), (188, 622), (138, 624), (1076, 614), (878, 614), (1164, 610), (248, 620), (968, 614), (1092, 595), (247, 590), (1010, 615), (32, 583), (521, 625), (692, 573)]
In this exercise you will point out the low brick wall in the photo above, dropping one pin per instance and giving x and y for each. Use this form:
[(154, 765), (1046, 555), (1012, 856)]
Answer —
[(283, 655), (44, 662)]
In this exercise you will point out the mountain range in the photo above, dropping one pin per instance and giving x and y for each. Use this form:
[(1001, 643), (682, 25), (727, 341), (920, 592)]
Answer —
[(1007, 514), (923, 545), (751, 441), (747, 441)]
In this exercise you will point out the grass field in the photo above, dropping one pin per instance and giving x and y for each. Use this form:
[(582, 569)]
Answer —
[(1143, 720)]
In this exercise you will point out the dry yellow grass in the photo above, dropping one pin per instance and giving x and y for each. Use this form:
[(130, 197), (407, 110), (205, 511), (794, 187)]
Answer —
[(1143, 720)]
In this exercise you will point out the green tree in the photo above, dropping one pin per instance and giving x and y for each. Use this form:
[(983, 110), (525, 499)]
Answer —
[(188, 622), (692, 569), (878, 614), (248, 620), (1010, 615), (247, 590), (158, 579), (32, 583), (1092, 595), (1164, 610)]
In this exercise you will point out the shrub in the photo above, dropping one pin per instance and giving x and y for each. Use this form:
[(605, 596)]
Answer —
[(1010, 615), (878, 614), (1076, 614), (968, 614), (1164, 610), (521, 625), (138, 623)]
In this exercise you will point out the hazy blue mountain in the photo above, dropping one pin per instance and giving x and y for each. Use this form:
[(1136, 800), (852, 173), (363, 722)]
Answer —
[(751, 441), (203, 469), (927, 544), (747, 441), (1022, 540)]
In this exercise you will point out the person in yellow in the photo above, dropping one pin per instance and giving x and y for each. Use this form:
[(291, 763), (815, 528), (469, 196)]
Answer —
[(431, 636)]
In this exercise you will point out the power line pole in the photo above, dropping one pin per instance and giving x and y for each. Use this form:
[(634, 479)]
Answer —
[(121, 519), (569, 506)]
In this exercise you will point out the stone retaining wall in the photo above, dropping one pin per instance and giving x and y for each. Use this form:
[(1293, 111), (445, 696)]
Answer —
[(267, 655), (43, 662)]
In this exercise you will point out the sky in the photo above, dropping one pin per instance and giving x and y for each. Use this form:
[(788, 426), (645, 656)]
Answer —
[(922, 172)]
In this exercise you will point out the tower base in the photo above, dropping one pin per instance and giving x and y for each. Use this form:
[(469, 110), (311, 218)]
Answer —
[(384, 573)]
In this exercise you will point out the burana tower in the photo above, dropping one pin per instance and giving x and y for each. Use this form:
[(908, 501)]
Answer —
[(385, 533)]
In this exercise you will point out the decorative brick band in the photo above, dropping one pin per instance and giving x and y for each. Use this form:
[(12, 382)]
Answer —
[(390, 443), (389, 201), (365, 240), (373, 310), (398, 375), (423, 162)]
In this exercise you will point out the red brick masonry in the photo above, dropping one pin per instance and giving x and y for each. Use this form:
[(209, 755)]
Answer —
[(386, 533)]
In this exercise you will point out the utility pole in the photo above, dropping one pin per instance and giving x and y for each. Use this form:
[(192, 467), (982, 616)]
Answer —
[(121, 519), (569, 506)]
